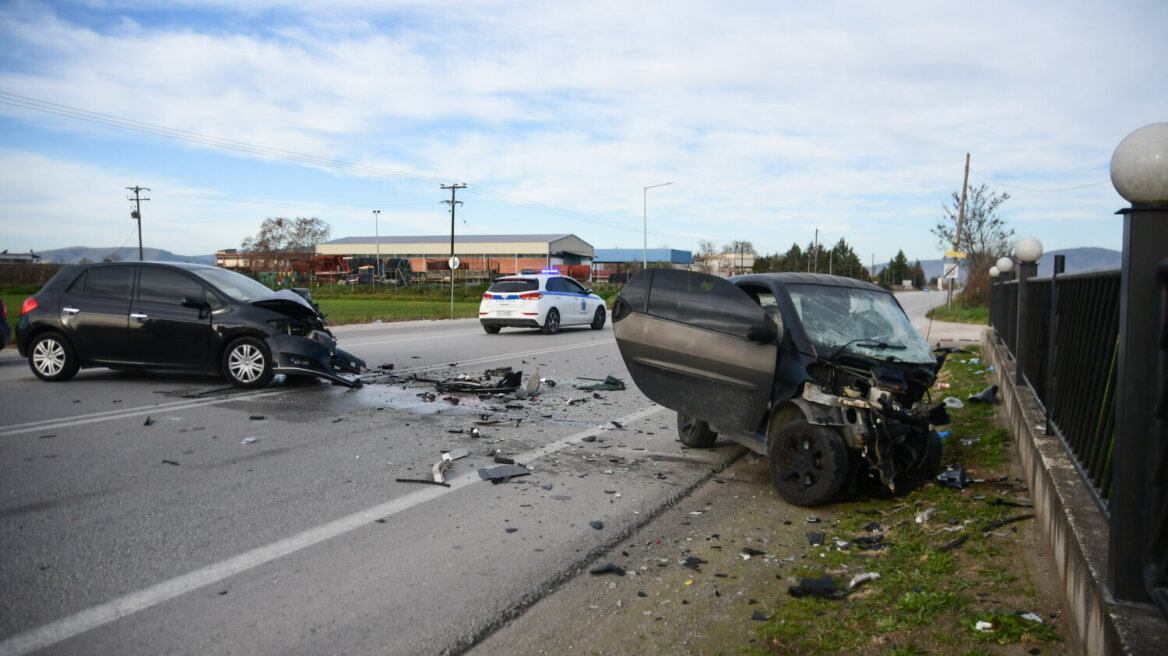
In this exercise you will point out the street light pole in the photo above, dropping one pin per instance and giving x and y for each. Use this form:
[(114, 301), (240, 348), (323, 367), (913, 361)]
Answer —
[(377, 238), (645, 217)]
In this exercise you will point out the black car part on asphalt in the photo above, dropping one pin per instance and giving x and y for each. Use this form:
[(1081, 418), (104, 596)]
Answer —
[(167, 315), (822, 374)]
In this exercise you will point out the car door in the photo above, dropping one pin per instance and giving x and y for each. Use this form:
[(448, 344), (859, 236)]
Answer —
[(580, 310), (94, 312), (698, 345), (163, 331)]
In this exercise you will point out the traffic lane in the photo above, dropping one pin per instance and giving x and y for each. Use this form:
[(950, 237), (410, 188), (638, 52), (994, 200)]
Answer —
[(438, 576), (132, 504)]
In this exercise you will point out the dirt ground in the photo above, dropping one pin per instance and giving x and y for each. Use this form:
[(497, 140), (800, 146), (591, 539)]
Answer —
[(660, 606)]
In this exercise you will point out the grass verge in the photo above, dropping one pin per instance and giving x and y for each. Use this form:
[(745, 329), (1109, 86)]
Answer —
[(952, 575)]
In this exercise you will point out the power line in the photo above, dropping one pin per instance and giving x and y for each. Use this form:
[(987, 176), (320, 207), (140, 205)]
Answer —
[(1039, 191)]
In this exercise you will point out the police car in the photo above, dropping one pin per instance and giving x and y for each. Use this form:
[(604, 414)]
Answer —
[(546, 300)]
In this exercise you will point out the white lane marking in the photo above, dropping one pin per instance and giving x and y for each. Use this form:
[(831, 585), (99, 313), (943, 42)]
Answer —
[(62, 422), (115, 609)]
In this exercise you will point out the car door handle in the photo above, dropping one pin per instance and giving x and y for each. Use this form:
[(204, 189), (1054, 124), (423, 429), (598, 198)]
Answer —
[(139, 316), (70, 310)]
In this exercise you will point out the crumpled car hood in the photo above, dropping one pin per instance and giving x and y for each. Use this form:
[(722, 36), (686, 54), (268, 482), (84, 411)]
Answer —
[(289, 303)]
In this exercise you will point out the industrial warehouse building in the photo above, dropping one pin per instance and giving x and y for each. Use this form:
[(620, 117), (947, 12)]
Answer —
[(480, 256)]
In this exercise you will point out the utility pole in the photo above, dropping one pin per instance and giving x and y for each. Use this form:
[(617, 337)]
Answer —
[(136, 213), (453, 260), (960, 218), (817, 250)]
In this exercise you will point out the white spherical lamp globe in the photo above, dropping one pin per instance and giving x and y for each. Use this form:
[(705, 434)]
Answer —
[(995, 272), (1005, 264), (1139, 166), (1028, 249)]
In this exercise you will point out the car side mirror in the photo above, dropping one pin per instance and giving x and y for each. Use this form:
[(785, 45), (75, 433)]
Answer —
[(199, 304), (767, 332)]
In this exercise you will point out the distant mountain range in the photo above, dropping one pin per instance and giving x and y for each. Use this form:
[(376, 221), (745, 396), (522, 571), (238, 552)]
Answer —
[(76, 254), (1078, 259)]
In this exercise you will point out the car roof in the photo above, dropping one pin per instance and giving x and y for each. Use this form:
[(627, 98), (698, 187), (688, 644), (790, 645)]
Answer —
[(796, 277), (190, 266)]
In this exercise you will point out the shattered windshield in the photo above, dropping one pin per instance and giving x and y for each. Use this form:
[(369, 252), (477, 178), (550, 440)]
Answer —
[(859, 320)]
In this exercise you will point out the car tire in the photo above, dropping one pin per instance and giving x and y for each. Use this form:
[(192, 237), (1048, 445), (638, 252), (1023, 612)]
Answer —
[(52, 358), (598, 318), (924, 462), (808, 462), (491, 330), (247, 363), (551, 324), (695, 433)]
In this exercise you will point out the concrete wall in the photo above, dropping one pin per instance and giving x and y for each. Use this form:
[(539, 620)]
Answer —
[(1074, 528)]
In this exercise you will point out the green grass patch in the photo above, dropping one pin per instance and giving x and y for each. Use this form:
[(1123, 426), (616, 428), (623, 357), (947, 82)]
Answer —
[(359, 310), (959, 314), (938, 577)]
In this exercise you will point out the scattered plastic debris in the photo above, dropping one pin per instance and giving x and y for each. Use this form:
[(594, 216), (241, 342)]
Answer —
[(815, 538), (759, 616), (953, 403), (823, 587), (170, 462), (926, 515), (421, 480), (608, 384), (502, 473), (257, 417), (953, 476), (694, 563), (250, 440), (607, 568), (988, 395), (148, 421), (596, 524), (861, 579)]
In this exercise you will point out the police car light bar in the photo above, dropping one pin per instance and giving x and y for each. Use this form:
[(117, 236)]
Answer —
[(550, 272)]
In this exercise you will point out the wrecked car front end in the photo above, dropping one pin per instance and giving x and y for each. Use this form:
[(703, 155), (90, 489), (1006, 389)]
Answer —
[(302, 345)]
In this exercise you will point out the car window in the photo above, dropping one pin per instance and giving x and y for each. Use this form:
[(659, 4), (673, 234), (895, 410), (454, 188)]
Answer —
[(234, 285), (512, 285), (573, 286), (166, 286), (106, 283), (556, 285), (703, 301)]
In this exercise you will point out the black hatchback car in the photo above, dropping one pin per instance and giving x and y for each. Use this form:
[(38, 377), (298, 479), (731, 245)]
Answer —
[(167, 315), (824, 375)]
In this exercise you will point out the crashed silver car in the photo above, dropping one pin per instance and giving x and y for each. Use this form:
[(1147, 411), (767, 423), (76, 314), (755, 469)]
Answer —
[(822, 374), (169, 315)]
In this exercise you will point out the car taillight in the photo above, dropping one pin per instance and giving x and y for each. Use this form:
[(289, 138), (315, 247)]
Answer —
[(531, 296), (487, 297), (29, 305)]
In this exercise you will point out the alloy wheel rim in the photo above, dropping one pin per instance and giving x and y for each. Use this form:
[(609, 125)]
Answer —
[(246, 363), (49, 357)]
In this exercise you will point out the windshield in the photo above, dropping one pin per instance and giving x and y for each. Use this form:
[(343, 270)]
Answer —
[(235, 285), (862, 321), (507, 285)]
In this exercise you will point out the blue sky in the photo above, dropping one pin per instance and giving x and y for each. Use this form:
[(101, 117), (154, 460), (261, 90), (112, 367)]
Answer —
[(772, 119)]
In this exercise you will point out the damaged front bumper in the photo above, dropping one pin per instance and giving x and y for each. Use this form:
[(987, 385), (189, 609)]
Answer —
[(317, 355)]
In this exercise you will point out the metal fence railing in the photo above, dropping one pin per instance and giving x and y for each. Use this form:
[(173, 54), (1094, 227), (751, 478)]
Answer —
[(1070, 361)]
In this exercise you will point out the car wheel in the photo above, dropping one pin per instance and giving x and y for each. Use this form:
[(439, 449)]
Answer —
[(247, 363), (52, 358), (551, 325), (491, 330), (695, 433), (809, 463), (598, 318)]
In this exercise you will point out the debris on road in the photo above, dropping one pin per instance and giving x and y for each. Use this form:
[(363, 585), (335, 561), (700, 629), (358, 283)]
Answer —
[(607, 568), (421, 480), (502, 473), (148, 421), (988, 395), (606, 384), (250, 440), (822, 586), (953, 476)]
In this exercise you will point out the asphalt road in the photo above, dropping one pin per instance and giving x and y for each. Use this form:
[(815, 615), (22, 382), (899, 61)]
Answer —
[(136, 518)]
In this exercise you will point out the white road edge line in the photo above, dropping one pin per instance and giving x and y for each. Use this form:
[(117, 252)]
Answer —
[(115, 609)]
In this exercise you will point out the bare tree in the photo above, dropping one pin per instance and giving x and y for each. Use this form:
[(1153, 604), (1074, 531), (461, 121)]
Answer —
[(984, 238), (281, 239)]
